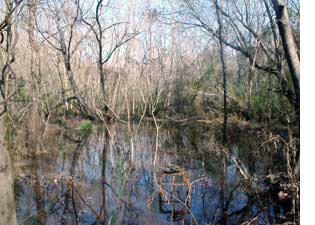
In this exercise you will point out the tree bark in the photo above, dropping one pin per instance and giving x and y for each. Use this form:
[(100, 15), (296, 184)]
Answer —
[(34, 122), (224, 73), (290, 49), (65, 51), (7, 203), (249, 92)]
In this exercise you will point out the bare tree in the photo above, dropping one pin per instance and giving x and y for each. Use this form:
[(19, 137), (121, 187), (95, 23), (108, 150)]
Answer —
[(7, 202), (245, 23), (99, 31), (7, 26), (224, 71), (63, 43)]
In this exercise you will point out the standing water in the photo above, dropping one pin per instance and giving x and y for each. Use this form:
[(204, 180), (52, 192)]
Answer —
[(89, 178)]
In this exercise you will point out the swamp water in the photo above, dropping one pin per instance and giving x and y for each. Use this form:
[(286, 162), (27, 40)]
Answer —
[(89, 178)]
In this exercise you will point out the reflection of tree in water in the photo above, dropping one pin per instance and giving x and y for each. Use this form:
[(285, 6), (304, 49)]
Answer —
[(39, 196), (174, 195), (76, 194), (96, 183), (69, 196)]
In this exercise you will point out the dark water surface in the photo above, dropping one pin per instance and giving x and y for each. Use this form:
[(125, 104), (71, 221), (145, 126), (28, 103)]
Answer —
[(109, 178)]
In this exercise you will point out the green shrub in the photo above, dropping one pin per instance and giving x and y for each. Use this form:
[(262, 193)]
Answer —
[(86, 126), (203, 82), (22, 93)]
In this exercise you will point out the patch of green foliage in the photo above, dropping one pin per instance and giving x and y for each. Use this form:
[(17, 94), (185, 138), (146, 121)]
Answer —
[(266, 100), (114, 219), (22, 94), (31, 220), (203, 82), (10, 133), (86, 127), (184, 104), (183, 97)]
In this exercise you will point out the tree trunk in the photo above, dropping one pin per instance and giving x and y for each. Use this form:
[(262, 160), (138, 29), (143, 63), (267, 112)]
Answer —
[(85, 108), (249, 92), (100, 65), (34, 122), (9, 56), (290, 49), (7, 203), (224, 74), (65, 51)]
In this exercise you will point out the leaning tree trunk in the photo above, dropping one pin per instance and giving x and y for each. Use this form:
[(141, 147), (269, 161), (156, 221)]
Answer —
[(65, 51), (290, 49)]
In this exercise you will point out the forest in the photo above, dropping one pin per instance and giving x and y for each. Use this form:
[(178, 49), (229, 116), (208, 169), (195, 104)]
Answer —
[(149, 112)]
